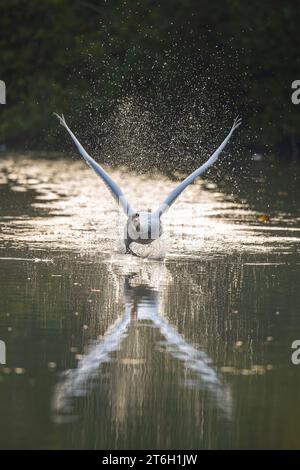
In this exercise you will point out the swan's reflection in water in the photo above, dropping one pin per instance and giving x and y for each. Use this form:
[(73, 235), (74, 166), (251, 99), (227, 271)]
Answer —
[(126, 343)]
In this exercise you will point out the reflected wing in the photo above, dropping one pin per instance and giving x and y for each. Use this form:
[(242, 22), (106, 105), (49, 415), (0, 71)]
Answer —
[(113, 187), (177, 191), (76, 380)]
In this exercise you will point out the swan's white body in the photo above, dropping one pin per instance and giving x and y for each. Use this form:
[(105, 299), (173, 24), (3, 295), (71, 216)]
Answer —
[(145, 227)]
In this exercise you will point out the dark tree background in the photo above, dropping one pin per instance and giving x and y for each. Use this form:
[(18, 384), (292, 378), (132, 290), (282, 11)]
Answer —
[(149, 74)]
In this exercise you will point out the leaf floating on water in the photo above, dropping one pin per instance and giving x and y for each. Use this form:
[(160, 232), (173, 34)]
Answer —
[(264, 218)]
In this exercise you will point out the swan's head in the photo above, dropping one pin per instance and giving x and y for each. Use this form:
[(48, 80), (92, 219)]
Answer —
[(143, 227), (135, 220)]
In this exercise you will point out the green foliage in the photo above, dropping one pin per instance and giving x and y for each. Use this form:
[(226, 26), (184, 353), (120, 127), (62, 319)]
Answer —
[(80, 57)]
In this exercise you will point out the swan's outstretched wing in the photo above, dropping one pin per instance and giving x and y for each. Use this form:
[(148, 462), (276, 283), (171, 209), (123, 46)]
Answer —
[(114, 188), (178, 190)]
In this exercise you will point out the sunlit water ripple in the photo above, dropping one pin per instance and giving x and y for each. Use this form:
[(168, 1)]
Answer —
[(62, 204), (189, 344)]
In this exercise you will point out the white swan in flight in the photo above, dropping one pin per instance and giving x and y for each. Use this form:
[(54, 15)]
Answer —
[(145, 227)]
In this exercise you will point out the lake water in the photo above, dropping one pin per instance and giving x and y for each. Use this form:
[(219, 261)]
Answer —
[(187, 347)]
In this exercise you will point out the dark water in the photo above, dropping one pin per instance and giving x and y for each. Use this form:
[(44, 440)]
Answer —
[(187, 350)]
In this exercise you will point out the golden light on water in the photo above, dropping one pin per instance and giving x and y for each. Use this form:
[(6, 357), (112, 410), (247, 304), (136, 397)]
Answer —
[(72, 209), (195, 322)]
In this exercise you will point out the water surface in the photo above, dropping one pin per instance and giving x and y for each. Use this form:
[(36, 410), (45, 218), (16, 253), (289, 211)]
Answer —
[(189, 347)]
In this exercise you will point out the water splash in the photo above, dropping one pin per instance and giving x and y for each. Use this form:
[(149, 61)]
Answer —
[(64, 206)]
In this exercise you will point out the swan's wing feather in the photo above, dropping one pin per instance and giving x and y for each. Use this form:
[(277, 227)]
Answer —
[(110, 183), (214, 157)]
